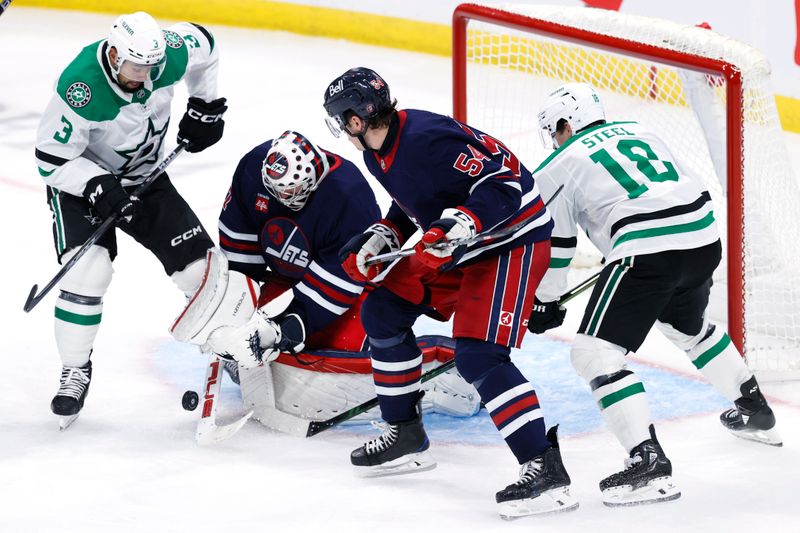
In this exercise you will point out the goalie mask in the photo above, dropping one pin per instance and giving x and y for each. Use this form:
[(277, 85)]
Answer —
[(577, 103), (293, 169), (140, 47)]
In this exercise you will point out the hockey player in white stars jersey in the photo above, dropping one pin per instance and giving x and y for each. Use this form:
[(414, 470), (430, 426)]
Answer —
[(655, 226), (101, 135)]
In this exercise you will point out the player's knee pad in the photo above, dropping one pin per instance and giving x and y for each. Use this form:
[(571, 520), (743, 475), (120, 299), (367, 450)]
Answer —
[(90, 276), (595, 358), (189, 279), (385, 315), (475, 359), (684, 341)]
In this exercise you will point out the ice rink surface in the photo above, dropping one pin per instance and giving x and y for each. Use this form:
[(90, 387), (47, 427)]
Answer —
[(130, 464)]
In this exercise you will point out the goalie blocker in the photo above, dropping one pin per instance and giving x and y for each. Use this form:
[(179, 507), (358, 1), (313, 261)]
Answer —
[(322, 381)]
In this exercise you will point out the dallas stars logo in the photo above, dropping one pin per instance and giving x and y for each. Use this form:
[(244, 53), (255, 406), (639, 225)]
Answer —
[(144, 153), (78, 94), (173, 39)]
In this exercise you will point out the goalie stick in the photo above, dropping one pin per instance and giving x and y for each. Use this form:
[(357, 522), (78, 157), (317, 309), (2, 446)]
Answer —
[(481, 237), (315, 427), (34, 298), (208, 432)]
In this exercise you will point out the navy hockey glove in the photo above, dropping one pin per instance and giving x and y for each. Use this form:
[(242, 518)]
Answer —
[(455, 224), (377, 239), (108, 197), (202, 124), (546, 316)]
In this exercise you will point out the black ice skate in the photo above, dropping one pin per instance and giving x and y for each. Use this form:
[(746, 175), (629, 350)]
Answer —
[(232, 369), (543, 486), (401, 449), (68, 401), (752, 418), (647, 477)]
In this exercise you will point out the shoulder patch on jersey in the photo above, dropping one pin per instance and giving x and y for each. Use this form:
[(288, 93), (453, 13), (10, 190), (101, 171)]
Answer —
[(78, 94), (173, 39)]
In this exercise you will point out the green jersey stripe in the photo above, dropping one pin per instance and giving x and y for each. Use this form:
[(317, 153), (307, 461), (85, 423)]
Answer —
[(697, 225), (610, 287), (559, 262)]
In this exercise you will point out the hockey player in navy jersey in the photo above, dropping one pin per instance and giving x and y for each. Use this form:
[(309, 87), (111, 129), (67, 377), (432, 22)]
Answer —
[(291, 206), (452, 181)]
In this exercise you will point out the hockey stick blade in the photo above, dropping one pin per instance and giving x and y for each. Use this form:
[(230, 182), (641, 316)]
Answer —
[(316, 427), (33, 298), (481, 237), (210, 433)]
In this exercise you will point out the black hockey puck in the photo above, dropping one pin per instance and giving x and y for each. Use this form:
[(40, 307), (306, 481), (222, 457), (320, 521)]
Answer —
[(190, 400)]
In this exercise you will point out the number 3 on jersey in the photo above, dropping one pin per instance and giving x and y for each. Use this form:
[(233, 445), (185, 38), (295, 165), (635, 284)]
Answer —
[(643, 155)]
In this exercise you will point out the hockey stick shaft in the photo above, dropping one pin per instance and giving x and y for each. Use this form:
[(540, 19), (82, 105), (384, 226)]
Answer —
[(322, 425), (481, 237), (33, 297)]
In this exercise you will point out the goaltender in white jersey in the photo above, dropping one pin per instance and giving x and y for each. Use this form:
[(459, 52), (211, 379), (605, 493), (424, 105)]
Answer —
[(102, 134), (654, 224)]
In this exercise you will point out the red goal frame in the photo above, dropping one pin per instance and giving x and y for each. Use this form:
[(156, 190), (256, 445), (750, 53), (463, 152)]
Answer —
[(735, 136)]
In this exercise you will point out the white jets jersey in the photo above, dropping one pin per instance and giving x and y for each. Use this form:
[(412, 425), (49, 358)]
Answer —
[(92, 127), (628, 192)]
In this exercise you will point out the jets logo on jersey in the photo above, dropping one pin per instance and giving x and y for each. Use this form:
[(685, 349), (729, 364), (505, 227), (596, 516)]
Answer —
[(262, 203), (275, 166), (287, 246), (78, 94), (173, 39)]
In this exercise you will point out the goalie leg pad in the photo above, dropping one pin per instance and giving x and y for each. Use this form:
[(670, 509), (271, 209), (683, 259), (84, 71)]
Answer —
[(714, 355), (224, 298), (618, 391)]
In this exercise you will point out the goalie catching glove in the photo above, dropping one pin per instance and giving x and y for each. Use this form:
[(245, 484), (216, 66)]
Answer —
[(377, 239), (249, 345), (546, 316), (455, 224)]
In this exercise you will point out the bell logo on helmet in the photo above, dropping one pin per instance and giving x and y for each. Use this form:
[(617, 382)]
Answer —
[(78, 94), (276, 165), (337, 88), (127, 28)]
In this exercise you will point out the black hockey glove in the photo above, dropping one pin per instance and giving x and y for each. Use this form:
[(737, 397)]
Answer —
[(546, 316), (108, 197), (202, 123)]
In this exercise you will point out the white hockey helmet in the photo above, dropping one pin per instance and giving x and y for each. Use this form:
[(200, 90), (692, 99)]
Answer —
[(293, 169), (141, 47), (577, 103)]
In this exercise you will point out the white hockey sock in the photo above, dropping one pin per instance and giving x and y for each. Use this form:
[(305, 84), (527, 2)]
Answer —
[(624, 407), (721, 363), (77, 319)]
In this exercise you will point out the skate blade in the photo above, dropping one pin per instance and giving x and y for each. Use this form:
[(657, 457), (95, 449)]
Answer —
[(558, 500), (65, 422), (408, 464), (769, 437), (660, 489)]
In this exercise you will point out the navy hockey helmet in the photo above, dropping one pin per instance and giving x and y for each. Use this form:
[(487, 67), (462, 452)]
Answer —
[(359, 90)]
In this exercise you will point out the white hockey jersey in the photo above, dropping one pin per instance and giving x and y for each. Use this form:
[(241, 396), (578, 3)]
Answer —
[(627, 191), (91, 127)]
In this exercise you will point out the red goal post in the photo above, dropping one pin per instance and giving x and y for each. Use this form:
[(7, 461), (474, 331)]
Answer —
[(522, 26)]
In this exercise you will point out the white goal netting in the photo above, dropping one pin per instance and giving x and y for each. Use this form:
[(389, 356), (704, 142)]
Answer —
[(509, 72)]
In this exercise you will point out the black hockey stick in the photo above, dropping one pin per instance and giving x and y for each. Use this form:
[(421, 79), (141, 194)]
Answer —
[(481, 237), (34, 298), (315, 427)]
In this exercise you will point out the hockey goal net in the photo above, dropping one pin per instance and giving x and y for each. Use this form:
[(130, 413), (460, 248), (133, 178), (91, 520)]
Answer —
[(706, 95)]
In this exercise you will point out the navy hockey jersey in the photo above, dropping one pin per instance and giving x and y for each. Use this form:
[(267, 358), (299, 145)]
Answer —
[(430, 162), (257, 233)]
